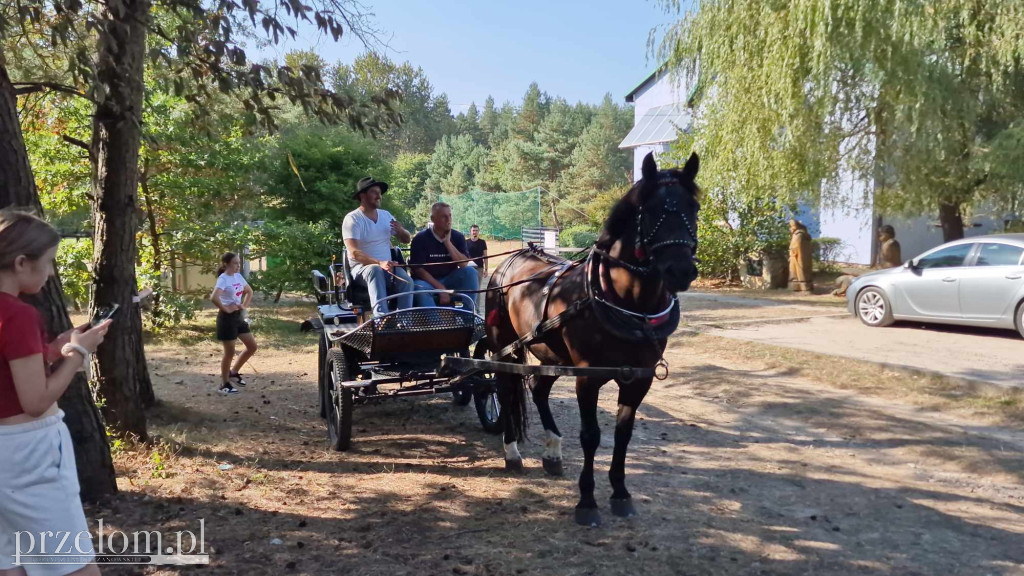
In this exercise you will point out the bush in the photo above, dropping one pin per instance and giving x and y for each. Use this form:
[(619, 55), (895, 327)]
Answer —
[(578, 236), (825, 251), (293, 249)]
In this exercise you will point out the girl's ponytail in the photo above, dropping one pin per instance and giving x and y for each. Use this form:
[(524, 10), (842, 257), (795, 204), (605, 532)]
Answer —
[(225, 261)]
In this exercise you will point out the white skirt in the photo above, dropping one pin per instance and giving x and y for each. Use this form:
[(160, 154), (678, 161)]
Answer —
[(39, 493)]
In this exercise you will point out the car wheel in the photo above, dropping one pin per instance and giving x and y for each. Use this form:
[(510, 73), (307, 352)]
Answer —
[(873, 308), (1020, 318)]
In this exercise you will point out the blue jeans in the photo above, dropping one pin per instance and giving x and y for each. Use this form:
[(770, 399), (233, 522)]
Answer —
[(381, 284), (461, 280)]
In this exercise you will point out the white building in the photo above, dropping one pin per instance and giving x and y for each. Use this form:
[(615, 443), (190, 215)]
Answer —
[(663, 106)]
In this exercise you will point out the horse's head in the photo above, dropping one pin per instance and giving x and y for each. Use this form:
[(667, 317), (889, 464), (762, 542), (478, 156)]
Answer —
[(656, 223)]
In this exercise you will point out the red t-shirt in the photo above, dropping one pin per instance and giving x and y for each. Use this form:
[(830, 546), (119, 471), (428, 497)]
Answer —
[(21, 335)]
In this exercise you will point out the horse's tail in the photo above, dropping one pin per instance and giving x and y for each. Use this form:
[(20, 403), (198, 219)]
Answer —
[(517, 407)]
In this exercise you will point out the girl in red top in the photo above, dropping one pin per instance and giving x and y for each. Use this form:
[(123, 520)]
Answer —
[(38, 482)]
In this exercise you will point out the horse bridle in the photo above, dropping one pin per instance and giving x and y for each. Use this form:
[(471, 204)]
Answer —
[(643, 250), (643, 246)]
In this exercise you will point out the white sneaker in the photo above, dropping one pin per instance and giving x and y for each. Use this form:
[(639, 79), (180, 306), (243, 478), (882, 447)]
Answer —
[(227, 389)]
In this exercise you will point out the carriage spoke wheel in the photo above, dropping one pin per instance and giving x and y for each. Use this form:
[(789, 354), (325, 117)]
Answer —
[(321, 371), (338, 399), (873, 308), (485, 399)]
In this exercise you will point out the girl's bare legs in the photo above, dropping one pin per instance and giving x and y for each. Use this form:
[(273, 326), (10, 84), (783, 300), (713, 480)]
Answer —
[(225, 362), (250, 348)]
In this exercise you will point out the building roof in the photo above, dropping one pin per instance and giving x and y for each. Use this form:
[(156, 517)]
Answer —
[(659, 124), (650, 78)]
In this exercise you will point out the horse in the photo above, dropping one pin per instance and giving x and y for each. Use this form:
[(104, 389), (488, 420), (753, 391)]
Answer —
[(614, 309)]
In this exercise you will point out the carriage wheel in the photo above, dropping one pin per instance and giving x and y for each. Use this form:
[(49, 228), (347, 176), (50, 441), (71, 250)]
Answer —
[(485, 395), (338, 399), (321, 371), (485, 398), (462, 397)]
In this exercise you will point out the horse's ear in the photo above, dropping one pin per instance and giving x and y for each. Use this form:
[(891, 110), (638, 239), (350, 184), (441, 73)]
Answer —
[(649, 170), (691, 167)]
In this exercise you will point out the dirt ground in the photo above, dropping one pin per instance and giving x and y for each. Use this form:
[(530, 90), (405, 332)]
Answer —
[(738, 466)]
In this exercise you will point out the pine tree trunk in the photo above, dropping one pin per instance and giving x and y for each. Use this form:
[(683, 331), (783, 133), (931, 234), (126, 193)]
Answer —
[(117, 132), (17, 188), (952, 221)]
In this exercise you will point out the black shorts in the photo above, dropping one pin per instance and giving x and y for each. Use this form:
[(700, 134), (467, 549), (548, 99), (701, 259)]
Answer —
[(230, 325)]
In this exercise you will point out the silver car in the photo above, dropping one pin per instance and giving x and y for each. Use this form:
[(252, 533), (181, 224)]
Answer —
[(976, 281)]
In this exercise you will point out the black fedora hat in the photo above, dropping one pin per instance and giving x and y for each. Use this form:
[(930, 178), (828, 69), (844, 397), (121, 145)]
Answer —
[(367, 183)]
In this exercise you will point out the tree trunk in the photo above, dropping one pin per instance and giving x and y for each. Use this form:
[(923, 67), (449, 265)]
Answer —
[(154, 233), (952, 221), (17, 188), (117, 132)]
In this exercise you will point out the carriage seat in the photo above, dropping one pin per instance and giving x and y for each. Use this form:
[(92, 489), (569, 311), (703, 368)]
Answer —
[(358, 294)]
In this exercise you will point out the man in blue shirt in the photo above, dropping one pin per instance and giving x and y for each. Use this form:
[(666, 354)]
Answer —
[(446, 249)]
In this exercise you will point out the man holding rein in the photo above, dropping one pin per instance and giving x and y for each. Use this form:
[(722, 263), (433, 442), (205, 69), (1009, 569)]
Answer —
[(445, 250), (367, 232)]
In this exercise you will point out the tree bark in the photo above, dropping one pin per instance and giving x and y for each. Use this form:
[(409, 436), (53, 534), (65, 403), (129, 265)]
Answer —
[(117, 132), (951, 220), (17, 188)]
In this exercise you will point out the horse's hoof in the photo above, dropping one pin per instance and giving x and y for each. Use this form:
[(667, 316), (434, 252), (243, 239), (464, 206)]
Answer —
[(623, 507), (514, 466), (588, 517), (552, 467)]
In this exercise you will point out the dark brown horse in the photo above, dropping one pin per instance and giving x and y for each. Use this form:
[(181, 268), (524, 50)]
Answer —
[(619, 308)]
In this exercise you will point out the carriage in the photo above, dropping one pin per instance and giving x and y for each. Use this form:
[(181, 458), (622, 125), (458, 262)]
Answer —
[(604, 317), (364, 359)]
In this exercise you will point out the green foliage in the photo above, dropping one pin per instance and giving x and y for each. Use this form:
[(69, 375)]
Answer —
[(578, 236), (499, 214), (409, 173), (293, 248), (826, 251), (73, 258), (330, 161)]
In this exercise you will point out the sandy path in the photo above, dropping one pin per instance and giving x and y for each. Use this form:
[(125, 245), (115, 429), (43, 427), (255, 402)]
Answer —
[(735, 469)]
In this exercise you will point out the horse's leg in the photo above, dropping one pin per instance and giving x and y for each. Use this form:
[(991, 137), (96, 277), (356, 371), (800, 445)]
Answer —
[(552, 459), (587, 390), (630, 397), (508, 387)]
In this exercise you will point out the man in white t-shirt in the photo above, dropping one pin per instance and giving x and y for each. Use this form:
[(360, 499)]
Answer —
[(367, 232)]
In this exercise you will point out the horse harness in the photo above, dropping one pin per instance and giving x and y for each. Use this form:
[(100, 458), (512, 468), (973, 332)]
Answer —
[(623, 323)]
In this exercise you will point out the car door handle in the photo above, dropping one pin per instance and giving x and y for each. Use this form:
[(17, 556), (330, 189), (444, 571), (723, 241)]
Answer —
[(1013, 276), (948, 279)]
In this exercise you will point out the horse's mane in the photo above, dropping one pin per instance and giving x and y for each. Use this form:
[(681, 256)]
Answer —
[(622, 215)]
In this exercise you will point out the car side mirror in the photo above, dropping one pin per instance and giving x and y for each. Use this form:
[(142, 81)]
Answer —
[(910, 264), (321, 287)]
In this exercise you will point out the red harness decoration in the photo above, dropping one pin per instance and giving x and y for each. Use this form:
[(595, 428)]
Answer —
[(492, 317)]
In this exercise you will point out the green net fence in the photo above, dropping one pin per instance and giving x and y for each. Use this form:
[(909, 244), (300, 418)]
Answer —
[(499, 214)]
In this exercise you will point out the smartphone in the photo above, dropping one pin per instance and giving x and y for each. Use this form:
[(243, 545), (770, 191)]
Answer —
[(103, 313)]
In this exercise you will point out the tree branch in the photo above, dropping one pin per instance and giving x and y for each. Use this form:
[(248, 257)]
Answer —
[(76, 142), (30, 87)]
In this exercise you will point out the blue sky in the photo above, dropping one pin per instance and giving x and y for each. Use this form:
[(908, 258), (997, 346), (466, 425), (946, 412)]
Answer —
[(578, 50)]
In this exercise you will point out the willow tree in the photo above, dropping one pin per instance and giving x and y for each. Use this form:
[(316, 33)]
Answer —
[(923, 98)]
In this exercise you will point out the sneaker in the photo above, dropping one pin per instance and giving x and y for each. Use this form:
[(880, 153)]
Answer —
[(227, 389), (237, 379)]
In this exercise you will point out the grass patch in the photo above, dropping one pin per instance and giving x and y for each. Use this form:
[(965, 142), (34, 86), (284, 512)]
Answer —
[(273, 325), (936, 392)]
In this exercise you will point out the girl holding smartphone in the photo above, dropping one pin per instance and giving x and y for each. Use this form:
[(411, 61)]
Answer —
[(39, 489)]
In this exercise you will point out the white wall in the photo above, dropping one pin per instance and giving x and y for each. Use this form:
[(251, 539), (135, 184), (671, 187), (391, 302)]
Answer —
[(916, 235), (666, 89), (640, 152)]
